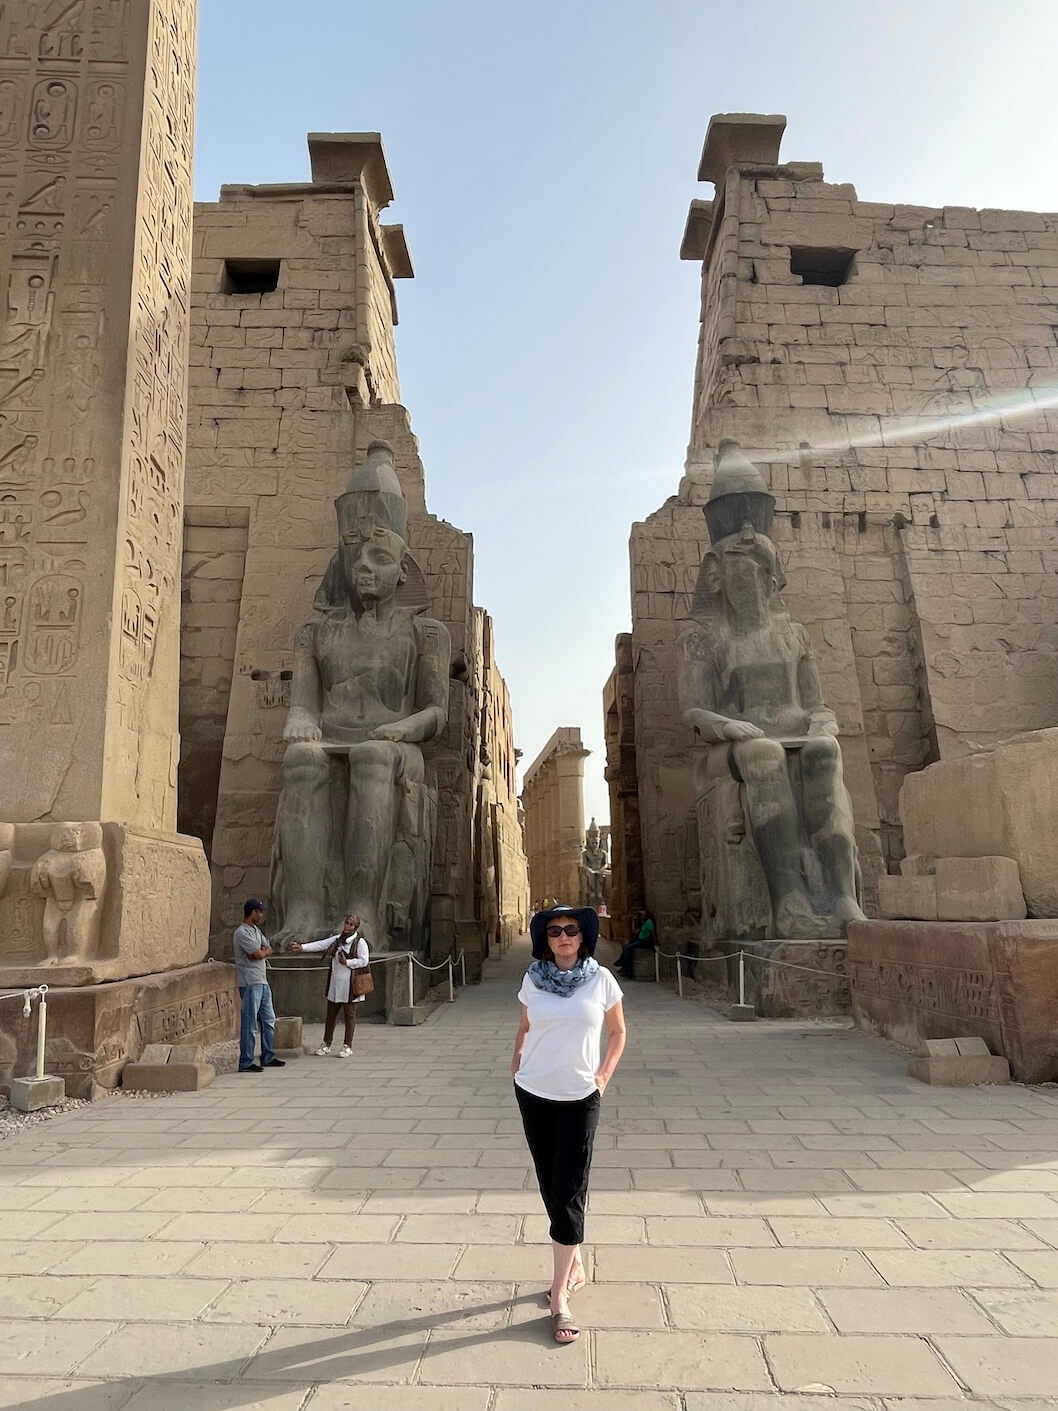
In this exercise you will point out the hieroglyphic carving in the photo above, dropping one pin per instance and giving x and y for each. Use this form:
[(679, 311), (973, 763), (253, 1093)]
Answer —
[(93, 284)]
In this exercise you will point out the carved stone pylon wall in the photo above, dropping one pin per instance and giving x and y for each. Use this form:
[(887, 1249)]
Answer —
[(96, 138)]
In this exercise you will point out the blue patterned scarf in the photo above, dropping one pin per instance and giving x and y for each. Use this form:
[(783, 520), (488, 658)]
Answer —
[(546, 975)]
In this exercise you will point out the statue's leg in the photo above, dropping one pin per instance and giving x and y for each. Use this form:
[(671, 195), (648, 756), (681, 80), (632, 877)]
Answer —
[(378, 772), (760, 765), (79, 928), (828, 820), (54, 917), (303, 835)]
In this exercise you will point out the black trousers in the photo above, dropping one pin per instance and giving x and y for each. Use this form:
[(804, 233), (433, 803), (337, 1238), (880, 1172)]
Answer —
[(561, 1136)]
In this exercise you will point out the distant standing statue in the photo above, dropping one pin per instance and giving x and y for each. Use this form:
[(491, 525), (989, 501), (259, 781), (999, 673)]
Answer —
[(355, 824), (771, 781), (72, 879), (595, 868)]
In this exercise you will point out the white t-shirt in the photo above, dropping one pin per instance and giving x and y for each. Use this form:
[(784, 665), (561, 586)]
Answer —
[(562, 1050)]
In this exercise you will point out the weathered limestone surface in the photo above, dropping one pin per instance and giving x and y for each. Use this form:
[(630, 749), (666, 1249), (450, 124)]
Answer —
[(357, 815), (778, 856), (553, 800), (1002, 802), (96, 144), (915, 980), (169, 1068), (626, 843), (918, 547), (957, 1063), (152, 915), (958, 889), (804, 978), (293, 377), (95, 214), (93, 1030)]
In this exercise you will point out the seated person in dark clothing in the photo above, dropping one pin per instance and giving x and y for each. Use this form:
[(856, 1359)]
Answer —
[(643, 940)]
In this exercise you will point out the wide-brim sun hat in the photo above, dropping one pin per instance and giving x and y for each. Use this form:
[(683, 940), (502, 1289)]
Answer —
[(585, 916)]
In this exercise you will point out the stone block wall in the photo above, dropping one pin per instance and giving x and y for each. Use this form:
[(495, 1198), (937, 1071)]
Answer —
[(214, 561), (498, 809), (888, 368), (626, 843), (293, 376)]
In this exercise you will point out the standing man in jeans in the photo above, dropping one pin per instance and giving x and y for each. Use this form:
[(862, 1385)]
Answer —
[(251, 951)]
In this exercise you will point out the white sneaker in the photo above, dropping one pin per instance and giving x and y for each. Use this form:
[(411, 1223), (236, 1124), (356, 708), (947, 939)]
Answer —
[(346, 1052), (323, 1050)]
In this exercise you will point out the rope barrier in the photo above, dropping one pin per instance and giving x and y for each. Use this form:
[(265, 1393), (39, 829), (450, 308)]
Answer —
[(742, 956), (449, 964), (748, 955)]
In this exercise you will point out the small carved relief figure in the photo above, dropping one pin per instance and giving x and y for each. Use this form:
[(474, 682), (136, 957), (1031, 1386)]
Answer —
[(72, 879), (355, 823), (749, 686)]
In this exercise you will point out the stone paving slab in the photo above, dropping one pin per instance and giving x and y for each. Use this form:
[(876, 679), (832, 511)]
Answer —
[(780, 1218)]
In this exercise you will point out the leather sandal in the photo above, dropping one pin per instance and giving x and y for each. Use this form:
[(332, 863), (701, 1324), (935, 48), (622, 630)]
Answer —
[(571, 1289), (563, 1323)]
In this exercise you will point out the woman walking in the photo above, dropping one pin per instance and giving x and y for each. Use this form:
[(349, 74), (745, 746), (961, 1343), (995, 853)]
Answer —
[(559, 1079), (347, 951)]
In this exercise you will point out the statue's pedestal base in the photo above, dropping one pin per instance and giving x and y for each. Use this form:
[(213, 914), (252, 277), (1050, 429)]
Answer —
[(805, 978), (31, 1094), (995, 980), (94, 1030)]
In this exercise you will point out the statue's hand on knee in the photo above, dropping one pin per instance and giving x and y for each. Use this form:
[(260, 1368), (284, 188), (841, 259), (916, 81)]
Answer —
[(301, 728), (741, 730), (399, 732), (825, 723)]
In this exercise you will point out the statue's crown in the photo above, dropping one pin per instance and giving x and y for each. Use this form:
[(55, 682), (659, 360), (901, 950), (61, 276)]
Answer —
[(373, 496), (739, 494)]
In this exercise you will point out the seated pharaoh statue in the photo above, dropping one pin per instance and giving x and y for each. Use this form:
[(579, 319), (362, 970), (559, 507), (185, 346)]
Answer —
[(778, 856), (356, 817)]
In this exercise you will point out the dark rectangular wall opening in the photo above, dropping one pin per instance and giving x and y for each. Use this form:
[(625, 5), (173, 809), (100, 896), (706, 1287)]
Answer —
[(817, 265), (250, 276)]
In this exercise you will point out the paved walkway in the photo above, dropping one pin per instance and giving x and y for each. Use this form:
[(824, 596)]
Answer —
[(781, 1219)]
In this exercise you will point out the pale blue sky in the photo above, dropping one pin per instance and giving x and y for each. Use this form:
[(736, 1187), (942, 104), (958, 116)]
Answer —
[(543, 155)]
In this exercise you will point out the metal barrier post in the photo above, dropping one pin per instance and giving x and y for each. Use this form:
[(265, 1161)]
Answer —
[(411, 983), (42, 1024), (462, 969), (679, 975), (451, 982), (657, 967), (742, 977)]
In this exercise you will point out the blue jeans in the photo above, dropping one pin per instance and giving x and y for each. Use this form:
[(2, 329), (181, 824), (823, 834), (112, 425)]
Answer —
[(256, 1009)]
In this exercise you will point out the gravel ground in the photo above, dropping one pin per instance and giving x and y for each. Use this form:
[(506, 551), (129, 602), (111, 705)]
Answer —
[(11, 1122)]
